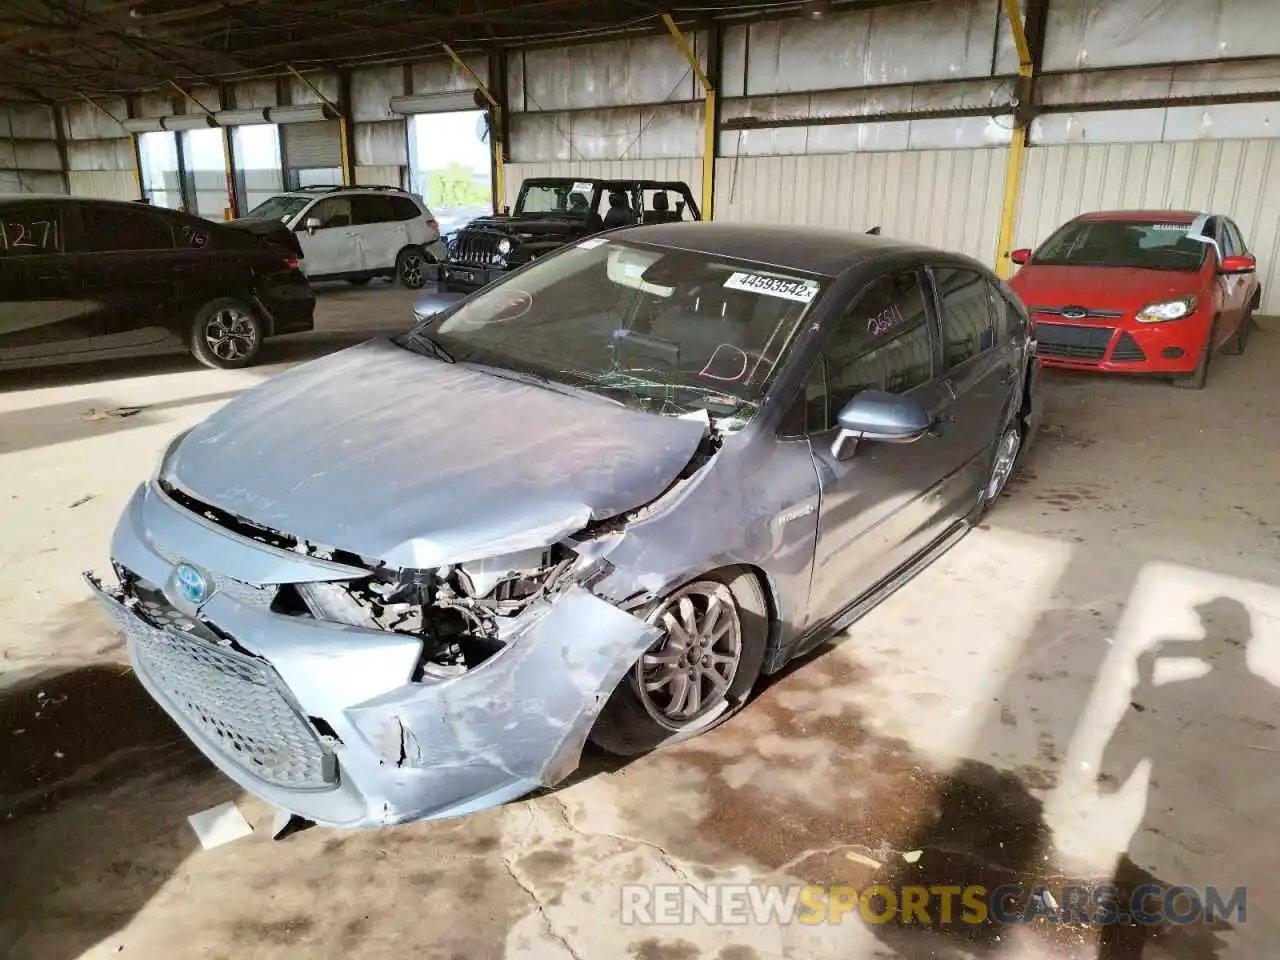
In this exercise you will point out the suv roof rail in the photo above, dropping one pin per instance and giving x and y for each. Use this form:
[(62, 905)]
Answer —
[(332, 188)]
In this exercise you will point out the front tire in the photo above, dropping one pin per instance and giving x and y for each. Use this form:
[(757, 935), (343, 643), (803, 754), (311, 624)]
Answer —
[(1197, 379), (225, 334), (698, 674), (411, 267)]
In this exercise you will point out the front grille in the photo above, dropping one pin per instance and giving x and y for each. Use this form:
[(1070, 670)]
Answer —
[(1085, 344), (1127, 350), (236, 701), (475, 248), (1078, 313)]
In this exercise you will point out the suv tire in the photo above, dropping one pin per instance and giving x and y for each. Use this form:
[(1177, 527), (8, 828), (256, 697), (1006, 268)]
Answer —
[(411, 267)]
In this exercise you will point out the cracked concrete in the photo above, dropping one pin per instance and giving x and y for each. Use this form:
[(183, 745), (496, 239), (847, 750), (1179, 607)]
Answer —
[(1000, 716)]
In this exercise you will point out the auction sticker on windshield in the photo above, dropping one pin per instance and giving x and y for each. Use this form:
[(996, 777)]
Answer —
[(802, 291)]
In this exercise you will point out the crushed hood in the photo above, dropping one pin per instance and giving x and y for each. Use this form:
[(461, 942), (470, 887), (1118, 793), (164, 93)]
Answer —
[(405, 459)]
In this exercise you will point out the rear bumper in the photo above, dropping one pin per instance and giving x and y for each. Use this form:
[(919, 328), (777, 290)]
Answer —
[(290, 306), (1161, 348)]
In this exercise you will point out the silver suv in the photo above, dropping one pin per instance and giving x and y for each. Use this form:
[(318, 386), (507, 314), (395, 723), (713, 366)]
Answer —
[(358, 233)]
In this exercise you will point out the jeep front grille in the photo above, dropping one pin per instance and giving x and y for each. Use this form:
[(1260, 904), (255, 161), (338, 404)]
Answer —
[(476, 248)]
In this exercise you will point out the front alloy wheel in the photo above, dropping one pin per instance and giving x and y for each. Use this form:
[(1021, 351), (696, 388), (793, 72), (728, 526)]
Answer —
[(687, 674)]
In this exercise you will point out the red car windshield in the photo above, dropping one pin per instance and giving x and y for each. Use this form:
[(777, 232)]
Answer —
[(1146, 245)]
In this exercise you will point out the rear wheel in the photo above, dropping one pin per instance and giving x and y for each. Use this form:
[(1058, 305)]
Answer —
[(698, 674), (411, 267), (225, 334)]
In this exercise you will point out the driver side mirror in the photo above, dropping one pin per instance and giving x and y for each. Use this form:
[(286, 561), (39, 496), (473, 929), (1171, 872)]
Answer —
[(1020, 257), (880, 416), (312, 224)]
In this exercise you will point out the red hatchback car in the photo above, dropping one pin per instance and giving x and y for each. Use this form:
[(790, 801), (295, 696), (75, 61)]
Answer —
[(1152, 292)]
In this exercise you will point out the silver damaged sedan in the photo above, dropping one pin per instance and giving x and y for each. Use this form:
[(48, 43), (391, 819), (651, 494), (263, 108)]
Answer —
[(600, 498)]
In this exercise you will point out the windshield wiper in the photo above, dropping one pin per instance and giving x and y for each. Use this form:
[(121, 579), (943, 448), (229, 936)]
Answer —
[(555, 386), (418, 339)]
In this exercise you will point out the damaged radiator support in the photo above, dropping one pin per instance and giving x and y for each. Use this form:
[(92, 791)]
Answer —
[(457, 612)]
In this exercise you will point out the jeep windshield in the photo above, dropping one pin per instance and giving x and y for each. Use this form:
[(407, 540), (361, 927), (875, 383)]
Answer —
[(656, 329), (278, 208), (568, 199)]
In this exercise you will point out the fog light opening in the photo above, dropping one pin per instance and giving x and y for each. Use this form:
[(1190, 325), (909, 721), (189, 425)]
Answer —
[(1172, 353)]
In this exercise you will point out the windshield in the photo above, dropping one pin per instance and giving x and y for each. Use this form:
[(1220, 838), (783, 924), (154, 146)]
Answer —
[(278, 208), (1148, 245), (562, 199), (666, 331)]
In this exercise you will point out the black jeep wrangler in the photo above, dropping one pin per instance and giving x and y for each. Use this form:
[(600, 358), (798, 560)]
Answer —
[(553, 211)]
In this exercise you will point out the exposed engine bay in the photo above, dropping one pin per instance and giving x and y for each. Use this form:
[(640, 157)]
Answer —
[(458, 612)]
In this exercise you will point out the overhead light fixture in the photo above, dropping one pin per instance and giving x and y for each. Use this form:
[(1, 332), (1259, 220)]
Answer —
[(816, 9)]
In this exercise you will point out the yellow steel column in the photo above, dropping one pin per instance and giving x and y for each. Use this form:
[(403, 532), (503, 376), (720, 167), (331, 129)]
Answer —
[(1017, 145), (233, 204), (709, 118), (347, 177), (495, 128)]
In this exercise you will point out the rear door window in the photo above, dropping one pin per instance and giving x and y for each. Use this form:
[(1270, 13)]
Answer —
[(968, 323), (30, 230), (113, 229), (370, 210)]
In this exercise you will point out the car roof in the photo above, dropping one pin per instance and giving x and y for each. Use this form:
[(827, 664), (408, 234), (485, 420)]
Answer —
[(64, 198), (1143, 216), (815, 250)]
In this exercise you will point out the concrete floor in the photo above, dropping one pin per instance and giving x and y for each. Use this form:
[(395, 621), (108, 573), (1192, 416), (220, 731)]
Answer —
[(966, 718)]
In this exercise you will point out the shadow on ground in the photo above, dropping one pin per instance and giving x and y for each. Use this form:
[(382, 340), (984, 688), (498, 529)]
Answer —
[(95, 787)]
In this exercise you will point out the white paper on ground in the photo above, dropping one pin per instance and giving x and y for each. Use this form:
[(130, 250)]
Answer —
[(219, 825)]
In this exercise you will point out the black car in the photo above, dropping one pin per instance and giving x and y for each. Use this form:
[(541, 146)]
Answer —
[(553, 211), (85, 280)]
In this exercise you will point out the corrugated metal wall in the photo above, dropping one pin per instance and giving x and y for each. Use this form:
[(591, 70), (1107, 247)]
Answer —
[(688, 170), (104, 184), (1238, 177), (946, 198)]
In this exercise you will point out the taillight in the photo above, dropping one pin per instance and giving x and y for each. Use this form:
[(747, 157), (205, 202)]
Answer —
[(292, 263), (433, 224)]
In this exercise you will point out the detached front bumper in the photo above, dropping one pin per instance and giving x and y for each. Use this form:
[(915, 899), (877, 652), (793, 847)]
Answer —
[(323, 719)]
